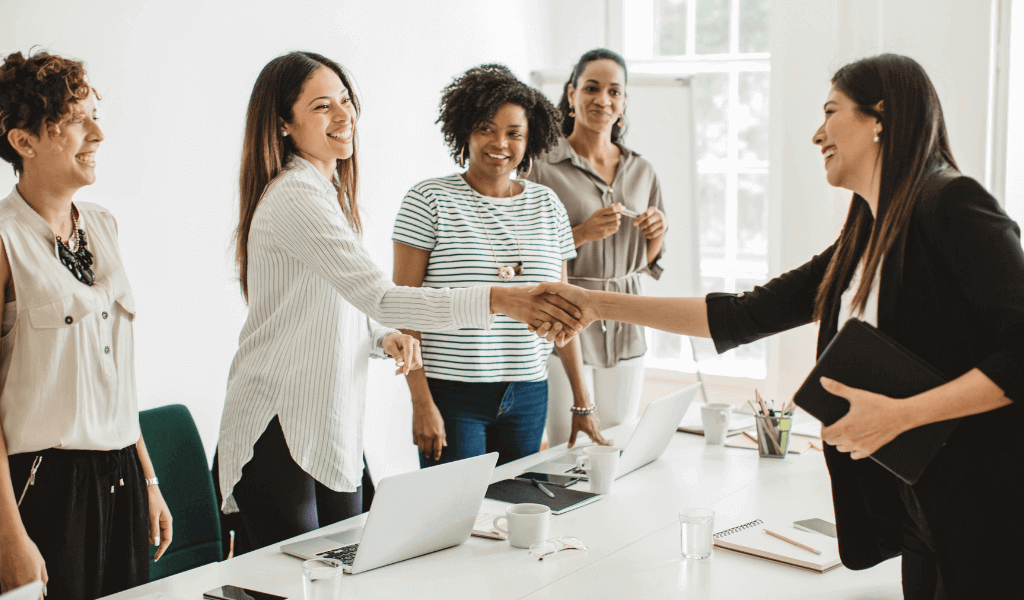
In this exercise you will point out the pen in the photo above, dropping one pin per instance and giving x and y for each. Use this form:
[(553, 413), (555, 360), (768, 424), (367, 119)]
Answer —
[(541, 487), (794, 542)]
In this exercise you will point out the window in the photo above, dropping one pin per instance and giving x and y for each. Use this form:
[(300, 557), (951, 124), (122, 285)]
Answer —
[(1014, 190), (723, 45)]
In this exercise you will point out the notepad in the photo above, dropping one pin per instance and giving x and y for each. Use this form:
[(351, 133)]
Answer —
[(484, 527), (517, 491), (751, 539)]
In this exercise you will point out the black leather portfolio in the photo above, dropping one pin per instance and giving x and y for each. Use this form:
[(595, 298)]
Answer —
[(517, 491), (863, 357)]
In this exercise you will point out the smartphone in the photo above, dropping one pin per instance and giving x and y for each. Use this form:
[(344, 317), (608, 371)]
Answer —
[(817, 526), (549, 479), (230, 592)]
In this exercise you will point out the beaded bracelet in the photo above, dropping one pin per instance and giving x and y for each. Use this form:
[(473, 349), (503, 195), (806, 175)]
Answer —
[(587, 410)]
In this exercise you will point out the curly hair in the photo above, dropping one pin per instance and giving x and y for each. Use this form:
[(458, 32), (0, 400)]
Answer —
[(477, 95), (37, 92)]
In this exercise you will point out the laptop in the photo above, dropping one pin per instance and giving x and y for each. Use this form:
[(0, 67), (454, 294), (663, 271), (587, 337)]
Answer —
[(412, 514), (29, 591), (648, 442)]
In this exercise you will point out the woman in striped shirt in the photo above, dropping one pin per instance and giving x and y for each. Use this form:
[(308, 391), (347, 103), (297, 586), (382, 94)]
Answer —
[(486, 390), (293, 415)]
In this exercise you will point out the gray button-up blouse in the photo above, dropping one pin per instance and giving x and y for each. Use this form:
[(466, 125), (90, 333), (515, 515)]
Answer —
[(615, 263)]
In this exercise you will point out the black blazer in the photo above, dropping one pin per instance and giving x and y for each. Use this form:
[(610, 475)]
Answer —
[(958, 305)]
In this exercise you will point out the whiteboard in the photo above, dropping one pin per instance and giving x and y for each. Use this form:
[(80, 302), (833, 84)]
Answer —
[(659, 115)]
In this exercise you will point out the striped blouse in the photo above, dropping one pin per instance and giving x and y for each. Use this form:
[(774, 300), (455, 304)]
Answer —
[(303, 351), (464, 232)]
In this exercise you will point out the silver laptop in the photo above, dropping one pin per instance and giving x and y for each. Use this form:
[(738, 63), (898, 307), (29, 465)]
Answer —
[(648, 442), (29, 591), (412, 514)]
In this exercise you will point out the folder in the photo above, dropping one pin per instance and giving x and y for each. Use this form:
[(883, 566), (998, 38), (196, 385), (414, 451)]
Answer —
[(517, 491), (863, 357)]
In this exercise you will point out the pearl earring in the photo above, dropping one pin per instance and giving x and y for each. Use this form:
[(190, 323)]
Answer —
[(876, 137), (285, 134), (30, 152)]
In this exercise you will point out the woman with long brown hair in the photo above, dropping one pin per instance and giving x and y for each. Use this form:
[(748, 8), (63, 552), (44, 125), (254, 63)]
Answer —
[(930, 258), (293, 416)]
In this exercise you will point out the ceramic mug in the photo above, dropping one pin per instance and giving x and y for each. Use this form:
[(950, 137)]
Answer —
[(601, 464), (527, 524)]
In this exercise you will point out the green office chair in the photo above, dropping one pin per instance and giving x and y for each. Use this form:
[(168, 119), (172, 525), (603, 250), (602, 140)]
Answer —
[(187, 486)]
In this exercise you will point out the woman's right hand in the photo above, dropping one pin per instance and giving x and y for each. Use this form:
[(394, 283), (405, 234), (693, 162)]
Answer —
[(601, 224), (428, 428), (21, 563)]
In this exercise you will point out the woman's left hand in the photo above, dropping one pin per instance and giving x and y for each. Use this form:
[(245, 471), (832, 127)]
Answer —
[(873, 421), (651, 222), (405, 349), (160, 530)]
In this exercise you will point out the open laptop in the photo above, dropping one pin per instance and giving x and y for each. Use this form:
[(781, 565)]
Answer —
[(648, 442), (412, 514)]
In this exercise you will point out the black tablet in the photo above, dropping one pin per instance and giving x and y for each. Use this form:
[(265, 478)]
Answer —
[(863, 357)]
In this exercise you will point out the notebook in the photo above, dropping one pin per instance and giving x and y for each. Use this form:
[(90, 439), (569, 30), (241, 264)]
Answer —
[(750, 538), (863, 357), (484, 527), (517, 491)]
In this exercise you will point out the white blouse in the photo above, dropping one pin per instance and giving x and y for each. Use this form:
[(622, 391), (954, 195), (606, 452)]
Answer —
[(304, 349), (870, 314), (67, 356)]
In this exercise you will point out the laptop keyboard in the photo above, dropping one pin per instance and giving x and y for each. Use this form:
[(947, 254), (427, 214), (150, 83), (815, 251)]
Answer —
[(345, 554)]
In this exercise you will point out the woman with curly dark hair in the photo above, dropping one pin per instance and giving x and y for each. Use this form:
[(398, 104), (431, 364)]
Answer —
[(78, 494), (485, 391)]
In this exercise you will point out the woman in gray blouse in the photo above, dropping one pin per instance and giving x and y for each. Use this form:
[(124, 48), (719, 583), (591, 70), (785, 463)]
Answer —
[(600, 181)]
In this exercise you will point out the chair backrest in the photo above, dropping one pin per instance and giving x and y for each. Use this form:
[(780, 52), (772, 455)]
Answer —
[(187, 486)]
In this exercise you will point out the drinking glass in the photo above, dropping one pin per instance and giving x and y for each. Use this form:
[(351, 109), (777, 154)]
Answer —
[(321, 579), (695, 528)]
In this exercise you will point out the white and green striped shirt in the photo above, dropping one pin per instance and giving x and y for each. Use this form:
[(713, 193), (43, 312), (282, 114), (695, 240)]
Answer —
[(447, 218)]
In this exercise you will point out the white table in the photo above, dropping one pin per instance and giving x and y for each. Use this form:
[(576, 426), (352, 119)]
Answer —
[(632, 535)]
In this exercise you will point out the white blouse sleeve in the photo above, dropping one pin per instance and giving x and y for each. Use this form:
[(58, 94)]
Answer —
[(304, 224)]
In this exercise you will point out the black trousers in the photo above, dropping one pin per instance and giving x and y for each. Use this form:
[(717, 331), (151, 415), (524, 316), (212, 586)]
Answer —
[(922, 578), (88, 513), (277, 500)]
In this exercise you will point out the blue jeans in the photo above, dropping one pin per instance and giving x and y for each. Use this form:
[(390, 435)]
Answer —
[(507, 418)]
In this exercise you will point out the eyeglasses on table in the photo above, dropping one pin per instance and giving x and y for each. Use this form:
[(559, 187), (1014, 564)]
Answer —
[(546, 548)]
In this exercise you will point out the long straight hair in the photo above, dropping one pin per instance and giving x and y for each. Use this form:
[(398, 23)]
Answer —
[(265, 151), (914, 143)]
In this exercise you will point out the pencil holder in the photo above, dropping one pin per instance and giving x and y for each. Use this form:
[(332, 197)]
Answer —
[(773, 435)]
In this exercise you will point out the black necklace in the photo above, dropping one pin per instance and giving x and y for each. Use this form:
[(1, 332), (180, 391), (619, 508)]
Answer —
[(79, 261)]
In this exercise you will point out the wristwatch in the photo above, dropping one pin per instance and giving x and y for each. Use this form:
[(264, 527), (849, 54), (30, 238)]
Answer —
[(152, 481)]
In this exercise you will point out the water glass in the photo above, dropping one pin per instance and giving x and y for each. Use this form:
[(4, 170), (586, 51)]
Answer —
[(321, 579), (695, 529)]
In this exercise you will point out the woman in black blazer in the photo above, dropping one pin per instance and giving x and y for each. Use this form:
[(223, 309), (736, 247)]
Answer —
[(948, 285)]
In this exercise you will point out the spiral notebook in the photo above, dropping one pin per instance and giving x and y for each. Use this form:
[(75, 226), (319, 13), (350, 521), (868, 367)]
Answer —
[(750, 538)]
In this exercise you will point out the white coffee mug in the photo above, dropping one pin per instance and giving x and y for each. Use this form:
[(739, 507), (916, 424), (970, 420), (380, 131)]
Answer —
[(527, 524), (600, 463), (715, 418)]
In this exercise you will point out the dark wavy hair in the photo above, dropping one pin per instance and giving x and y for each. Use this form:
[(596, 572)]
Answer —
[(568, 123), (265, 151), (476, 96), (37, 92), (914, 143)]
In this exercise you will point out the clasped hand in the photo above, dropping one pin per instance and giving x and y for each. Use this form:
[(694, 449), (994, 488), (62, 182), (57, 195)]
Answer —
[(873, 421)]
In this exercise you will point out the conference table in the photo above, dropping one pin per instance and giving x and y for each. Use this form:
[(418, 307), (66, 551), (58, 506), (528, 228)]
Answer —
[(632, 536)]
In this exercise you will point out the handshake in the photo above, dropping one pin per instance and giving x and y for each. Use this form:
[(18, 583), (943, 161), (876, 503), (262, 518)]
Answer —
[(557, 312)]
